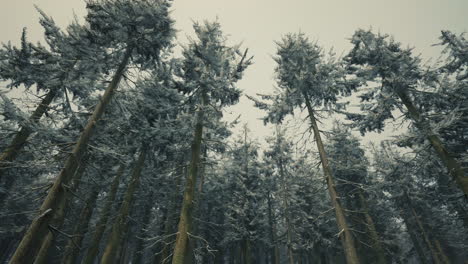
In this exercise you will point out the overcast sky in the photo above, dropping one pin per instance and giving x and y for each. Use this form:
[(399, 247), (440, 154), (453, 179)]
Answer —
[(258, 23)]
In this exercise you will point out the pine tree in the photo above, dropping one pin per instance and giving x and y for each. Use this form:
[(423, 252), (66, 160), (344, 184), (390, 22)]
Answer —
[(209, 71), (376, 58), (305, 77)]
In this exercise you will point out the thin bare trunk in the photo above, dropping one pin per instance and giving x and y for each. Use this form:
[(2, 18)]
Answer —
[(246, 252), (287, 214), (185, 220), (376, 244), (411, 231), (275, 256), (120, 223), (101, 224), (440, 251), (344, 231), (137, 257), (454, 167), (74, 243), (39, 229), (435, 256)]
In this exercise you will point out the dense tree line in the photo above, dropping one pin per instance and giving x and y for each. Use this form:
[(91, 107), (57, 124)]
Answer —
[(126, 157)]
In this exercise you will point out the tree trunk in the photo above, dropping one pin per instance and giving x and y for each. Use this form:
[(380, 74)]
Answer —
[(344, 231), (39, 229), (115, 237), (12, 151), (409, 227), (185, 220), (57, 222), (454, 167), (101, 224), (443, 257), (246, 252), (137, 257), (287, 214), (376, 244), (435, 256), (170, 219), (274, 254), (73, 246)]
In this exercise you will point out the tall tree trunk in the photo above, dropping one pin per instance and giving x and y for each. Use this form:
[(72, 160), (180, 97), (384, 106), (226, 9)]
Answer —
[(102, 222), (170, 219), (137, 257), (287, 214), (185, 219), (376, 244), (198, 196), (454, 167), (245, 252), (12, 151), (440, 251), (39, 229), (344, 231), (414, 238), (57, 222), (73, 246), (274, 254), (435, 256), (120, 223)]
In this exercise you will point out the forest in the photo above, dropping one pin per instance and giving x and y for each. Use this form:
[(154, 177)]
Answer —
[(118, 149)]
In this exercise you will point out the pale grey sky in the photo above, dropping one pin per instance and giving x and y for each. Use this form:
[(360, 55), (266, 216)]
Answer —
[(258, 23)]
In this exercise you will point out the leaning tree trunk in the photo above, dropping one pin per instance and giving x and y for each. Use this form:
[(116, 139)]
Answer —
[(425, 235), (102, 222), (440, 251), (39, 229), (412, 233), (120, 223), (376, 244), (454, 167), (181, 249), (57, 222), (74, 243), (12, 151), (344, 231)]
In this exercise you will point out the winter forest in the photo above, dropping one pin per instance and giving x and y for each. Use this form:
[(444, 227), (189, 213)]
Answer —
[(120, 142)]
